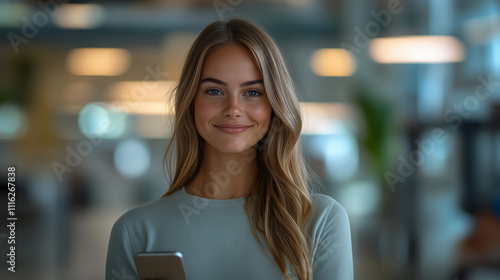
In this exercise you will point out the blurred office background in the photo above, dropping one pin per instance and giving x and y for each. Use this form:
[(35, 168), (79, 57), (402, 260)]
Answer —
[(401, 101)]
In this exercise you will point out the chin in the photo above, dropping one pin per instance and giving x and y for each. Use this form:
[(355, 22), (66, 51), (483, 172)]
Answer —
[(233, 148)]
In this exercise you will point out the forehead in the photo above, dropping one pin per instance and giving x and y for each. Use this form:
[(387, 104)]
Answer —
[(231, 62)]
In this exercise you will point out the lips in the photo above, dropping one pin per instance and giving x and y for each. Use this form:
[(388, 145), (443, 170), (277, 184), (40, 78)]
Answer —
[(232, 128)]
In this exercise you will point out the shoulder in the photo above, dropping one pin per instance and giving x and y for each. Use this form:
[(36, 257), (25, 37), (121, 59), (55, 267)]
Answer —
[(138, 226), (330, 233), (326, 210), (323, 203), (148, 213)]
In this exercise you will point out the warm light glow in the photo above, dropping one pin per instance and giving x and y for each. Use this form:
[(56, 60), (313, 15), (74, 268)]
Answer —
[(79, 16), (417, 49), (145, 108), (77, 93), (174, 52), (325, 118), (98, 61), (141, 90), (153, 126), (142, 97), (333, 62)]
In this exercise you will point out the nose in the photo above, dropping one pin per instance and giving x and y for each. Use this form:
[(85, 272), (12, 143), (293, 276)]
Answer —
[(233, 108)]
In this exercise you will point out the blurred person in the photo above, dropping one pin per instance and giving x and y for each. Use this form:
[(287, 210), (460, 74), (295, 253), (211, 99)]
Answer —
[(240, 203)]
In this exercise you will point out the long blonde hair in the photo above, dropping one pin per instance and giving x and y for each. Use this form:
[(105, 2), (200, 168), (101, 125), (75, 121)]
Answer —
[(280, 203)]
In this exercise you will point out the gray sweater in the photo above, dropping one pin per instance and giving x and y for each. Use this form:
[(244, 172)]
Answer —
[(216, 240)]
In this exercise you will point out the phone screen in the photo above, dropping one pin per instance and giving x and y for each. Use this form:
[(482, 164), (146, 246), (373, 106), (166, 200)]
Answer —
[(160, 266)]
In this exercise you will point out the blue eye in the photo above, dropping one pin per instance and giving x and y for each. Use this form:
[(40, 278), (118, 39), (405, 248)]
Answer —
[(213, 91), (253, 93)]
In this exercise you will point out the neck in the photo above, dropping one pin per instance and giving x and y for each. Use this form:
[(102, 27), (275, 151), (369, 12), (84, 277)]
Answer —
[(225, 176)]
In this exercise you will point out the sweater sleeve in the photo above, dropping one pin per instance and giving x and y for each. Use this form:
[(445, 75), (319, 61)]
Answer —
[(333, 258), (120, 263)]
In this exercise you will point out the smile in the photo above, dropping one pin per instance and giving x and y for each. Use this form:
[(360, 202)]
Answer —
[(232, 129)]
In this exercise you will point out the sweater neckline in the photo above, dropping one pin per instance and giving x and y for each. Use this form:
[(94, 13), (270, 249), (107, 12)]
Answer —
[(202, 202)]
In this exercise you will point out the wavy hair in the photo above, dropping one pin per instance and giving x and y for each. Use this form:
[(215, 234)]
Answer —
[(280, 203)]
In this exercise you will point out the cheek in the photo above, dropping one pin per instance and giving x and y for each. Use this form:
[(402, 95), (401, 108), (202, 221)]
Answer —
[(203, 111), (262, 113)]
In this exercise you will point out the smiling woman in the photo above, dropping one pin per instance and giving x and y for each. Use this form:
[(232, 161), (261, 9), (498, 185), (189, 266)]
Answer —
[(239, 204), (231, 110)]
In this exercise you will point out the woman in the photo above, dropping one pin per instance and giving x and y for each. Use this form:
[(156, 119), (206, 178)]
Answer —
[(239, 204)]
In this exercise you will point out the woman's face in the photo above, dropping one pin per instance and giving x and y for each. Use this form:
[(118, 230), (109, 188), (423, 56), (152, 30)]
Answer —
[(231, 109)]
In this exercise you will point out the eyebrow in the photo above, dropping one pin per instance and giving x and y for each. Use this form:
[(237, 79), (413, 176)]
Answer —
[(216, 81)]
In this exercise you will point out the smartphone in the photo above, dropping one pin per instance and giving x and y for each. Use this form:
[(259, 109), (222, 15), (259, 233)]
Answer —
[(160, 266)]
